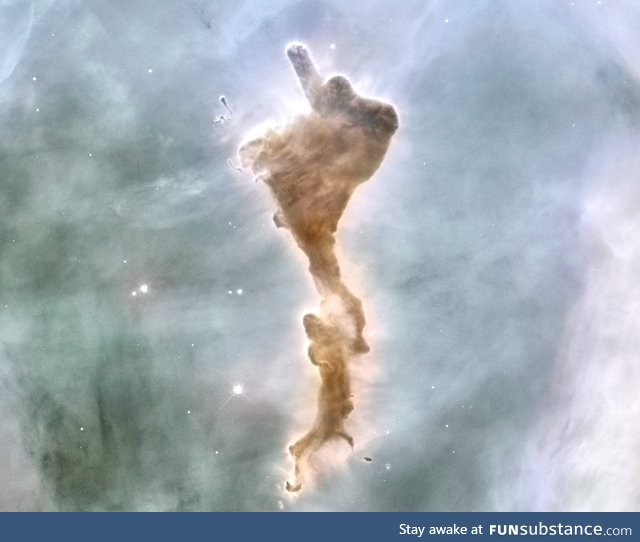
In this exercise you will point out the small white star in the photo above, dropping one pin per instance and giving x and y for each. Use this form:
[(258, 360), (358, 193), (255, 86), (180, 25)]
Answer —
[(332, 46), (237, 389), (150, 70), (239, 291), (446, 20), (134, 293), (144, 288), (188, 412), (82, 429), (34, 78)]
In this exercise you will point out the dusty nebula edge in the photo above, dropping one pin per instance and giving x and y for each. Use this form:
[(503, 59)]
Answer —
[(312, 166)]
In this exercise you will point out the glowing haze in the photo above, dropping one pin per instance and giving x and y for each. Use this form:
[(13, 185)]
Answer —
[(496, 251)]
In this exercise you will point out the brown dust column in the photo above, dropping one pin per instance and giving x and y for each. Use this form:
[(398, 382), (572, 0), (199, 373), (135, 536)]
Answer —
[(312, 167)]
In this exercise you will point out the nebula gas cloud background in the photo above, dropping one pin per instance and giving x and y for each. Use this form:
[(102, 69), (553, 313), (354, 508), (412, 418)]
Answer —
[(151, 352)]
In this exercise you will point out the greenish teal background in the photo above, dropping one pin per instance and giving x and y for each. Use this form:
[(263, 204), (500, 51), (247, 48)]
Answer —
[(496, 252)]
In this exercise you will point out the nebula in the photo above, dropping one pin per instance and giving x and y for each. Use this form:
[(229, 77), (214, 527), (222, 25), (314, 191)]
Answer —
[(312, 166)]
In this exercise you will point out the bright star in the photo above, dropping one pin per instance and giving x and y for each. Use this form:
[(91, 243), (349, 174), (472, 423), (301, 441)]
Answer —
[(237, 389)]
